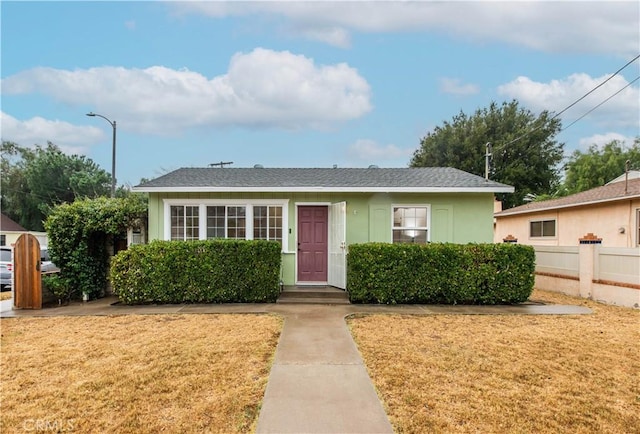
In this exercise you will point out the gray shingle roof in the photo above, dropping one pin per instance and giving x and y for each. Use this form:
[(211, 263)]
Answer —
[(606, 193), (321, 179)]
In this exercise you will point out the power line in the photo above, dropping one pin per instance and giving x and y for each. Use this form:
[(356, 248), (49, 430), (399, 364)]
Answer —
[(577, 101), (629, 84), (595, 88)]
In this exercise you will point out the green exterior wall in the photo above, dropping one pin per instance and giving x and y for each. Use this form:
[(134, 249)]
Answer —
[(455, 217)]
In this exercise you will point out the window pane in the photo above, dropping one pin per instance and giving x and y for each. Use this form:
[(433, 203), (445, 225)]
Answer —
[(421, 217), (410, 236), (236, 222), (535, 229), (260, 222), (410, 217), (549, 228), (192, 222), (215, 222), (177, 223)]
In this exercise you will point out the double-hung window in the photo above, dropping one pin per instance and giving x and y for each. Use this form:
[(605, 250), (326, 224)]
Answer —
[(411, 224), (542, 228)]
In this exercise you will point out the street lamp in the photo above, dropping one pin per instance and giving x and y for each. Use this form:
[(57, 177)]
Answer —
[(113, 156)]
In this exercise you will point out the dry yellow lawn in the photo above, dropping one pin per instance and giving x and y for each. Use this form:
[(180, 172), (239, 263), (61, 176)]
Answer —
[(507, 374), (135, 374), (5, 295)]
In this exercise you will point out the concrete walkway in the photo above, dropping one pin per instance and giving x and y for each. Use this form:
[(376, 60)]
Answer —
[(318, 382)]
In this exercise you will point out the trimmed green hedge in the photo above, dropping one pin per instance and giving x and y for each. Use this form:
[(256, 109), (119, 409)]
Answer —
[(440, 273), (220, 271)]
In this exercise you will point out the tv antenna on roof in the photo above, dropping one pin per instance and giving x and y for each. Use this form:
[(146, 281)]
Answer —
[(221, 164)]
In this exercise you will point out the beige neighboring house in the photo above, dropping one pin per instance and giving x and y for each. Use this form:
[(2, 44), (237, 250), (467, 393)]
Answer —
[(611, 212), (10, 231)]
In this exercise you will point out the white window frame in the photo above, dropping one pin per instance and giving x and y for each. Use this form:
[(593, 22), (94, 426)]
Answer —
[(543, 236), (412, 205), (247, 203)]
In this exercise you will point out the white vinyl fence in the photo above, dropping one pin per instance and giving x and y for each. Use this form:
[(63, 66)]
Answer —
[(607, 274)]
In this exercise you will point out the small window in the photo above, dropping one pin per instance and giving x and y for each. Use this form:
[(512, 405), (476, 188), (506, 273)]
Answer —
[(542, 228), (3, 240), (410, 225)]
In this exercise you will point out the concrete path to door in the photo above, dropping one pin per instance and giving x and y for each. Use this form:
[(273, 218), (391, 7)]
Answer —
[(318, 382)]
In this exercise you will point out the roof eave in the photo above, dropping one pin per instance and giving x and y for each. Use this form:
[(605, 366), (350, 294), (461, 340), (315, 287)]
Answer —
[(209, 189), (506, 213)]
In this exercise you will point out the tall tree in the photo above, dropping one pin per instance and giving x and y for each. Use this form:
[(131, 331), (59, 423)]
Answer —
[(35, 179), (525, 153), (599, 165)]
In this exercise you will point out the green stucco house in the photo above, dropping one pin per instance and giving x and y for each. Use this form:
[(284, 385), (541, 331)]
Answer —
[(317, 213)]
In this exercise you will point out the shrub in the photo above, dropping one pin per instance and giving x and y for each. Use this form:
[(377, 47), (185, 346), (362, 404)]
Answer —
[(440, 273), (78, 233), (215, 271)]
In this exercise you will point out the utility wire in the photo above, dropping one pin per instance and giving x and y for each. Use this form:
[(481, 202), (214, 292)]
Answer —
[(629, 84), (595, 88), (577, 101)]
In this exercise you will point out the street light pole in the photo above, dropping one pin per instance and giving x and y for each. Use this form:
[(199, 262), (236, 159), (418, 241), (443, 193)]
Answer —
[(113, 152)]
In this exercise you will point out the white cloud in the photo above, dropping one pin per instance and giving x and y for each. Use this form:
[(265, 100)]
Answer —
[(454, 86), (71, 139), (583, 27), (602, 139), (263, 88), (371, 151), (623, 110)]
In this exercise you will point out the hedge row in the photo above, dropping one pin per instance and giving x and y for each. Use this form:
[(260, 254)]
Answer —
[(440, 273), (220, 271)]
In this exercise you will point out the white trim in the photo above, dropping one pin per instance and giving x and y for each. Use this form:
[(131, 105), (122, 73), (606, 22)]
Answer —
[(506, 212), (413, 205), (295, 241), (248, 204), (321, 189)]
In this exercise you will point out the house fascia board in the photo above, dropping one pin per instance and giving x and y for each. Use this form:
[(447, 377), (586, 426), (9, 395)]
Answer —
[(506, 213), (324, 189)]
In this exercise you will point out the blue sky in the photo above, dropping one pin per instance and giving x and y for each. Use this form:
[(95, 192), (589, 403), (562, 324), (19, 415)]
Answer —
[(303, 84)]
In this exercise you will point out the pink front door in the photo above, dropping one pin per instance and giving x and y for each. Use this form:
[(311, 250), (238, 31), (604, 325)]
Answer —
[(312, 243)]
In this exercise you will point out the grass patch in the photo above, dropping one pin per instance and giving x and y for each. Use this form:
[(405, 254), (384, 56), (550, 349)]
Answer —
[(517, 374), (6, 295), (136, 374)]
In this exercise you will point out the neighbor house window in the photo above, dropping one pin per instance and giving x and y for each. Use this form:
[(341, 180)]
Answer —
[(542, 228), (185, 223), (411, 224), (3, 240), (202, 219), (267, 223)]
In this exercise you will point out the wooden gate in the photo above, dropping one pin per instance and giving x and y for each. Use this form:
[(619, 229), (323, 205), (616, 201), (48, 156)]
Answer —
[(27, 279)]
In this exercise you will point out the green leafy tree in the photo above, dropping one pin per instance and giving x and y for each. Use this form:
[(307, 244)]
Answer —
[(36, 179), (525, 153), (599, 165)]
